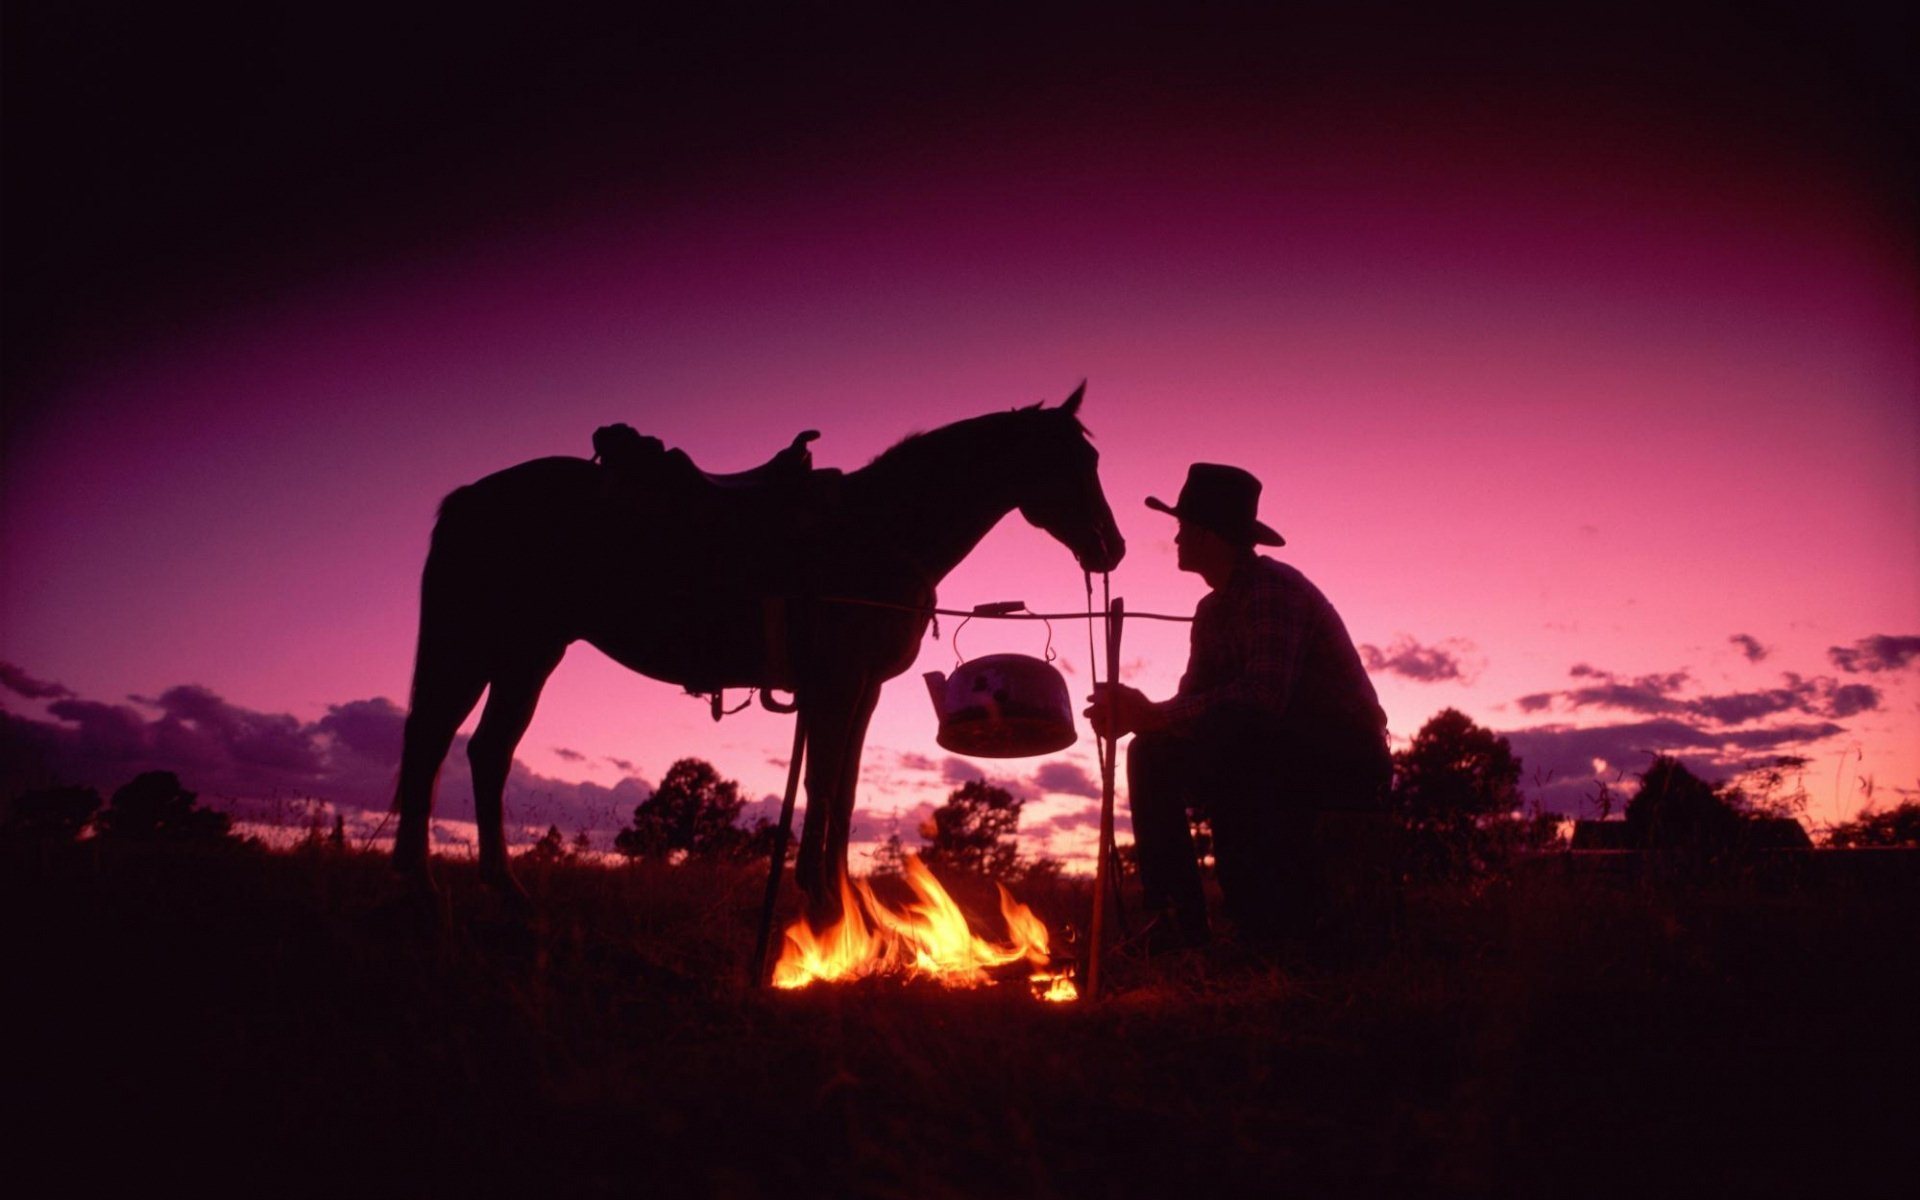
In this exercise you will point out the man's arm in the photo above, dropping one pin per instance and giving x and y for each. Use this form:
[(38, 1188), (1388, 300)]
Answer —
[(1275, 624), (1117, 710)]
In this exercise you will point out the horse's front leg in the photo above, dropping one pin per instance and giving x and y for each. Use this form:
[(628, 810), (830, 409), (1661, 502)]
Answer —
[(837, 718)]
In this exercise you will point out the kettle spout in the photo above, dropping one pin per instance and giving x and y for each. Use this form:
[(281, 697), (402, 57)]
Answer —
[(937, 691)]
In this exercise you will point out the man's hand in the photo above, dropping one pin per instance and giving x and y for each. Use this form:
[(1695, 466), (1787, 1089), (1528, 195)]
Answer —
[(1117, 710)]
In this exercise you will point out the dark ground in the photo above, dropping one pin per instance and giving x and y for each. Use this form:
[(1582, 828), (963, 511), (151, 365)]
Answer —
[(224, 1021)]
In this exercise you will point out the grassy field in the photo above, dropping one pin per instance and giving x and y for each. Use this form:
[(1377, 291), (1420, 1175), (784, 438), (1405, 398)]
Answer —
[(229, 1021)]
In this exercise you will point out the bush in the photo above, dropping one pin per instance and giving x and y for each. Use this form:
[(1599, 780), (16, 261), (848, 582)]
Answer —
[(55, 814), (155, 808)]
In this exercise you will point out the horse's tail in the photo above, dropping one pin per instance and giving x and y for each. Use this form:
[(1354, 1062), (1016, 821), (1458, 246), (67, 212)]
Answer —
[(448, 676), (450, 572)]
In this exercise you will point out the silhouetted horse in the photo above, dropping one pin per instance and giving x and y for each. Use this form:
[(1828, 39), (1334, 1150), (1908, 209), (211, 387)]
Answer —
[(712, 583)]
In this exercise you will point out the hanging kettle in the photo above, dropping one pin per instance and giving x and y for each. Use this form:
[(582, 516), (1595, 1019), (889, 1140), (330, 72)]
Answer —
[(1002, 706)]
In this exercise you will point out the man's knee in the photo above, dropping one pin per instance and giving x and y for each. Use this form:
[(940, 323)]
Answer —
[(1156, 762)]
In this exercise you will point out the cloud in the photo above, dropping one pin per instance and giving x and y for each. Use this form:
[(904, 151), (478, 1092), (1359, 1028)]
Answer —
[(1851, 699), (1749, 646), (273, 741), (877, 826), (1658, 696), (1558, 761), (1085, 817), (1066, 779), (348, 758), (110, 731), (1639, 696), (766, 808), (1879, 652), (958, 771), (370, 728), (1651, 695), (566, 755), (1423, 664), (620, 764), (15, 680), (1718, 736)]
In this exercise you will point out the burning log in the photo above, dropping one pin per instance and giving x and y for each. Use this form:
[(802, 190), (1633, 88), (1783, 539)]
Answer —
[(929, 937)]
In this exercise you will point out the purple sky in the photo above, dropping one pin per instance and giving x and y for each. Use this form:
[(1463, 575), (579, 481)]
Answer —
[(1577, 358)]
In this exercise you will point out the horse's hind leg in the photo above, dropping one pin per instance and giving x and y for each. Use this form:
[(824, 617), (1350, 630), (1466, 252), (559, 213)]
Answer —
[(443, 695), (512, 694)]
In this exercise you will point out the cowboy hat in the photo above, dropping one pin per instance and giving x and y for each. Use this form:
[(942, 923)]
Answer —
[(1223, 499)]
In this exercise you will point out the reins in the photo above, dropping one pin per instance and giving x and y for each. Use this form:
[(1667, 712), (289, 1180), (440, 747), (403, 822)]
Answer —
[(997, 610)]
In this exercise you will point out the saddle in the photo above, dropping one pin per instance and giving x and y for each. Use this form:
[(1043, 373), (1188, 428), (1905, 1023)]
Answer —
[(750, 538), (644, 460), (756, 524)]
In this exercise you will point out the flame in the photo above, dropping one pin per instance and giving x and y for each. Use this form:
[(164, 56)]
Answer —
[(929, 937)]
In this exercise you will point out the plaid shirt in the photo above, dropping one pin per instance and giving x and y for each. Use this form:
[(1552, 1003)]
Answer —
[(1270, 639)]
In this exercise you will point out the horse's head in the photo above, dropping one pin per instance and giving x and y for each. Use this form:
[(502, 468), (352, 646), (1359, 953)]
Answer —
[(1060, 487)]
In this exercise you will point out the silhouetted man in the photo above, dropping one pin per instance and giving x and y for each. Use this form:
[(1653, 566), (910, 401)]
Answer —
[(1275, 725)]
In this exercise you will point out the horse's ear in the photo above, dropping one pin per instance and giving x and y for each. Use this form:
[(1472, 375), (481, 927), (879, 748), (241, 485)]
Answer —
[(1073, 402)]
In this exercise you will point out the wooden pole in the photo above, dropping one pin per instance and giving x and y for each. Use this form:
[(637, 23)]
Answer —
[(762, 967), (1109, 756)]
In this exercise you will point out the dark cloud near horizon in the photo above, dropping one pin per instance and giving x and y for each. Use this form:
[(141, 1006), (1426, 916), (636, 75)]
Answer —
[(1066, 779), (1411, 660), (1658, 695), (959, 771), (1651, 695), (15, 680), (1557, 761), (566, 755), (1057, 776), (1717, 736), (348, 758), (1085, 817), (1750, 646), (910, 760), (1852, 699), (1875, 653)]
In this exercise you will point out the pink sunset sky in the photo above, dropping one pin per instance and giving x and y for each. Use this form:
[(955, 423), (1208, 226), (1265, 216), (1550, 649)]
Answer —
[(1586, 392)]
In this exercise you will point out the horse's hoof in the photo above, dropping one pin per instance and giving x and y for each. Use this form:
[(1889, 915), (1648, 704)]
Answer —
[(806, 875), (415, 906), (413, 881), (513, 897), (823, 909)]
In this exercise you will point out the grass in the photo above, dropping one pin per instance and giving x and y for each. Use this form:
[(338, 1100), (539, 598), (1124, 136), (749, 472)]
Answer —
[(239, 1020)]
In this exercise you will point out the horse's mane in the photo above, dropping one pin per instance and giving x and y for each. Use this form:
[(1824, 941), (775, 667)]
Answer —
[(923, 447)]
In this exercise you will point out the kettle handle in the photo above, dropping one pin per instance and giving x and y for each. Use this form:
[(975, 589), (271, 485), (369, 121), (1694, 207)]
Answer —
[(1000, 608)]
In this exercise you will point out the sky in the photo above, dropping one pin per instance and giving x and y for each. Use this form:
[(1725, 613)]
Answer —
[(1576, 353)]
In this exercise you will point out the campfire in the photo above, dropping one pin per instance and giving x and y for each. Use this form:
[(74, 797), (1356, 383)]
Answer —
[(929, 937)]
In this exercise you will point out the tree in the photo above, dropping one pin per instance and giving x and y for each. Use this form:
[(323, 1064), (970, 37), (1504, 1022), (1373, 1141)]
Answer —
[(1777, 787), (974, 831), (1895, 827), (57, 813), (1449, 786), (1677, 810), (155, 808), (890, 858), (690, 815), (549, 850), (1038, 874)]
